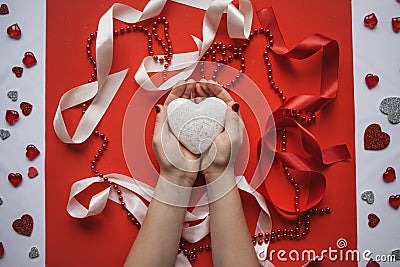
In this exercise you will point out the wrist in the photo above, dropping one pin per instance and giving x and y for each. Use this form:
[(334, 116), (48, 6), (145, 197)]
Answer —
[(212, 174), (179, 178)]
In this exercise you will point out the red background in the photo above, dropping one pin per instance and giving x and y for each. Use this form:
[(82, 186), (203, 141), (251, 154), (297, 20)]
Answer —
[(105, 240)]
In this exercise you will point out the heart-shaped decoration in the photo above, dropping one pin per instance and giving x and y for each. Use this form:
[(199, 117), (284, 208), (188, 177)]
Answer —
[(371, 80), (370, 20), (4, 9), (391, 107), (1, 250), (15, 179), (389, 175), (13, 95), (372, 263), (396, 254), (17, 70), (24, 226), (4, 134), (373, 220), (29, 59), (32, 172), (394, 201), (32, 152), (26, 108), (34, 253), (396, 24), (14, 31), (374, 138), (12, 116), (368, 196), (196, 125)]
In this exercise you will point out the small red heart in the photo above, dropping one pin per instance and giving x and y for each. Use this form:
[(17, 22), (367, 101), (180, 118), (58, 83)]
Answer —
[(12, 116), (14, 31), (374, 138), (3, 9), (32, 152), (373, 220), (370, 20), (15, 179), (396, 24), (394, 201), (1, 250), (372, 263), (371, 80), (26, 108), (389, 175), (17, 71), (24, 226), (29, 59), (32, 172)]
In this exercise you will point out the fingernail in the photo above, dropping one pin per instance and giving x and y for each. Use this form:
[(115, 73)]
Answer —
[(157, 108), (235, 107)]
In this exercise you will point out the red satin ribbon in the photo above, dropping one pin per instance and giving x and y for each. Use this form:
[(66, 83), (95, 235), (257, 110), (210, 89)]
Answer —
[(313, 159)]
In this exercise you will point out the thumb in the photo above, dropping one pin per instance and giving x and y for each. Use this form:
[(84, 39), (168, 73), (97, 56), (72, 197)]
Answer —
[(161, 117), (233, 125)]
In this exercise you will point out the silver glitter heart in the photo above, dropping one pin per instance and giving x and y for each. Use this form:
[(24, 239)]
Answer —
[(34, 253), (368, 196), (391, 107), (13, 95), (4, 134), (1, 201), (396, 254)]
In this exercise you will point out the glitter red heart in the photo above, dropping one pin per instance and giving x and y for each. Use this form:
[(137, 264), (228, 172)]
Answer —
[(14, 31), (394, 201), (24, 226), (1, 250), (29, 59), (15, 179), (396, 24), (32, 172), (373, 220), (374, 138), (26, 108), (370, 20), (17, 71), (389, 175), (4, 9), (371, 80), (32, 152), (12, 116), (372, 263)]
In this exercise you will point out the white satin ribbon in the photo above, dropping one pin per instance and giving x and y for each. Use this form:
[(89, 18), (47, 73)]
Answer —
[(239, 26), (133, 190)]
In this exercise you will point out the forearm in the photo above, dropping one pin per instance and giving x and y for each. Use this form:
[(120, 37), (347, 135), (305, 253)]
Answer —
[(231, 243), (157, 242)]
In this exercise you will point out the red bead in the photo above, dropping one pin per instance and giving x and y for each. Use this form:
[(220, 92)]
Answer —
[(396, 24)]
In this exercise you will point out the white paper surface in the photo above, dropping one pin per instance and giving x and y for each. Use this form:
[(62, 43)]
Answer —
[(29, 196), (376, 51)]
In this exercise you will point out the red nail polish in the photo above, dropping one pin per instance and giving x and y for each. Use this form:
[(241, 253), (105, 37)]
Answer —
[(235, 107), (157, 108)]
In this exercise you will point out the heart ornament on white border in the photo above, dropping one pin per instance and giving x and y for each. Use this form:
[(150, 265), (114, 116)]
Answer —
[(196, 122)]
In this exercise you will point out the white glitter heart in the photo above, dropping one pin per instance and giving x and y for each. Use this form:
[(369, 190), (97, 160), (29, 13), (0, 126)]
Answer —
[(391, 107), (196, 125)]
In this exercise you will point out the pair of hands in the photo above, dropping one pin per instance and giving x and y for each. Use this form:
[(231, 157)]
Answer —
[(221, 156)]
